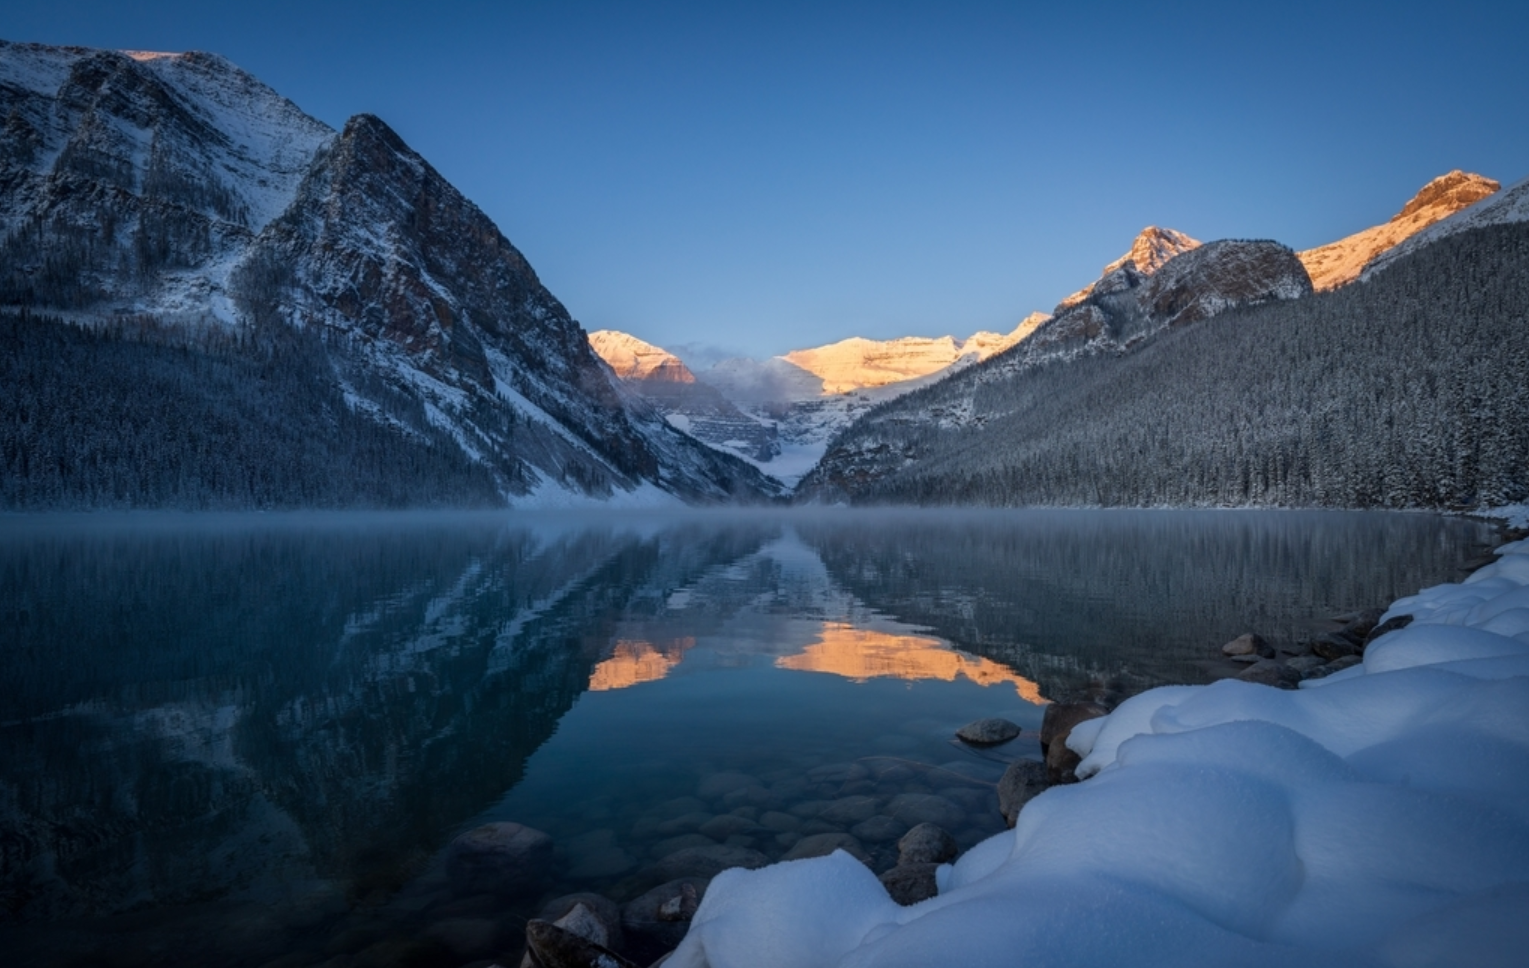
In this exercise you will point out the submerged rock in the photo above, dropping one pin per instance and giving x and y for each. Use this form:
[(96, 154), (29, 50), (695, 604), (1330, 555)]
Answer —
[(821, 845), (499, 858), (708, 861), (988, 732), (879, 829), (917, 808), (926, 843)]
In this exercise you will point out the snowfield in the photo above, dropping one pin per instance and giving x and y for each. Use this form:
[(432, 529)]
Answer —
[(1378, 817)]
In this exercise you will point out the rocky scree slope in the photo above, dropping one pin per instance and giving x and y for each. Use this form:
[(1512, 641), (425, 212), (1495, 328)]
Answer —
[(179, 193)]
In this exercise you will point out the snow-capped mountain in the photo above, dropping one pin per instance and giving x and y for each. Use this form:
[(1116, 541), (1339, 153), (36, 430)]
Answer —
[(178, 191), (665, 381), (1152, 247), (1505, 207), (1117, 314), (780, 413), (1339, 262), (858, 363), (1224, 379)]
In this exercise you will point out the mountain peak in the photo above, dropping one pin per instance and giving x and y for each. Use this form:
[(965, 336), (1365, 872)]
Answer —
[(1152, 247), (1339, 262), (633, 359), (1453, 191)]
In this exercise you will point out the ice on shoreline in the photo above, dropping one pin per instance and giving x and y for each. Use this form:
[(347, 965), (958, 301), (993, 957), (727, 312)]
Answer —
[(1379, 817)]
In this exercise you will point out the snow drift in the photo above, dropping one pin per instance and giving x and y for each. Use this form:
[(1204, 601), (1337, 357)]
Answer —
[(1376, 817)]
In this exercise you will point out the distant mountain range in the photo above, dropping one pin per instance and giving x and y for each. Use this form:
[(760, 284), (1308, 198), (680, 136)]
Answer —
[(809, 396), (167, 222), (1224, 379), (780, 413)]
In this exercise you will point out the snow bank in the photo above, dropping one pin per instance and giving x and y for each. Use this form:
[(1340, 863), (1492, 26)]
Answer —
[(1379, 817)]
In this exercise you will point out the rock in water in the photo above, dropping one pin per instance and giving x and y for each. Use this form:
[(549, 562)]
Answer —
[(926, 843), (1389, 625), (557, 947), (1021, 782), (1061, 717), (708, 861), (1248, 643), (657, 921), (682, 906), (591, 916), (1270, 673), (988, 732), (499, 858), (821, 845), (911, 883)]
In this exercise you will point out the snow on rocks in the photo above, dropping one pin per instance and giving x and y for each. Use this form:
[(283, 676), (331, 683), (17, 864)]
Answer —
[(1378, 816)]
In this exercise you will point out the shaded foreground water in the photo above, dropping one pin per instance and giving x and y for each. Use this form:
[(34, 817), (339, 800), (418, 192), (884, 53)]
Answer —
[(247, 739)]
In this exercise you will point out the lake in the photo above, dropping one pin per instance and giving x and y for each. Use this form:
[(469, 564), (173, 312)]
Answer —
[(248, 739)]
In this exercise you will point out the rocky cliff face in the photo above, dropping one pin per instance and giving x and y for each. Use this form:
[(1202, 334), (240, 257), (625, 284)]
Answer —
[(179, 189), (1151, 248), (1220, 276), (633, 359), (1342, 261), (666, 382)]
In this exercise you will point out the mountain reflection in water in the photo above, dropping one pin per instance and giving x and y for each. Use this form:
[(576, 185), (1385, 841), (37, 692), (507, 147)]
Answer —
[(861, 654), (245, 728)]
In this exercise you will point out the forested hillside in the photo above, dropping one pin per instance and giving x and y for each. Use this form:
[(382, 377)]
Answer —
[(128, 415), (1410, 389)]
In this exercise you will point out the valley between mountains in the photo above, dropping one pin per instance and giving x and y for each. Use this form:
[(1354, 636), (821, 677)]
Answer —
[(209, 299)]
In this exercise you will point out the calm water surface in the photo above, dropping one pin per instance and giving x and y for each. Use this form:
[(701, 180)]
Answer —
[(247, 739)]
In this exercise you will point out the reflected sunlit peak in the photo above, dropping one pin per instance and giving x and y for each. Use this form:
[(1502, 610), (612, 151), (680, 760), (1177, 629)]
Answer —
[(860, 654), (637, 661)]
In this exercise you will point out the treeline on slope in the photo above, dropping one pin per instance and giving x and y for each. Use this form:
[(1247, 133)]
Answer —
[(128, 413), (1407, 391)]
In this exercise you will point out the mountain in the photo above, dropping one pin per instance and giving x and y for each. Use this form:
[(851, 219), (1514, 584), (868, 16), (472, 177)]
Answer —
[(182, 218), (695, 408), (1504, 208), (1151, 248), (1339, 262), (1118, 314), (857, 363), (1404, 392)]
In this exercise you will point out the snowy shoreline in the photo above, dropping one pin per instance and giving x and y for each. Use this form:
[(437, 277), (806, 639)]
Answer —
[(1379, 816)]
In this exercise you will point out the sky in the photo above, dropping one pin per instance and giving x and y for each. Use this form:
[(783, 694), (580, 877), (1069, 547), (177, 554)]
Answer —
[(745, 179)]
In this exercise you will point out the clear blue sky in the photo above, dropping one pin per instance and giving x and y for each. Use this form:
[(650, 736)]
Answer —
[(759, 177)]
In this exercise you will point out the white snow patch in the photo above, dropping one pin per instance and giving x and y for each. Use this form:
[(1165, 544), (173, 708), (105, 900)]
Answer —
[(1377, 817)]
